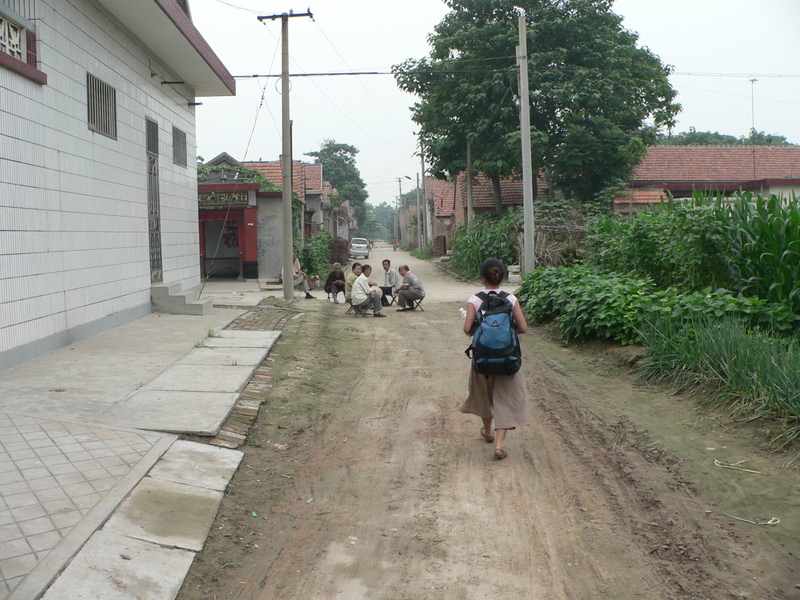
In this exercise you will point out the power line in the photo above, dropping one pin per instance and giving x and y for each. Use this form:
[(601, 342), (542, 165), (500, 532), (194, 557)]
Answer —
[(747, 75)]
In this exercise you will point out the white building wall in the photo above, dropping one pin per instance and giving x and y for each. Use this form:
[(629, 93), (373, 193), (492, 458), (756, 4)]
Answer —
[(74, 257)]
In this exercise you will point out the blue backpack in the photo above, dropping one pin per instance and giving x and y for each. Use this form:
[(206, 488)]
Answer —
[(495, 345)]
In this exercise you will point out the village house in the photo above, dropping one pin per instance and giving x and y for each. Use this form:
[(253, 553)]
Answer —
[(679, 170), (98, 184)]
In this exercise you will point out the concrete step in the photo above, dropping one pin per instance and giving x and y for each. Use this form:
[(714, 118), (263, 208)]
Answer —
[(169, 298)]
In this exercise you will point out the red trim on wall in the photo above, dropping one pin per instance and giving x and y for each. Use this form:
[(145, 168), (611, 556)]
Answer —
[(227, 187), (23, 68)]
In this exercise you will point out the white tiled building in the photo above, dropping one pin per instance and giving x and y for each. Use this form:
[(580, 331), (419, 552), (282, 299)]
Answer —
[(98, 189)]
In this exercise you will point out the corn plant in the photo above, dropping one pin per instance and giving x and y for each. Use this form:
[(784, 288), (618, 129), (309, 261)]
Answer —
[(764, 241), (488, 236)]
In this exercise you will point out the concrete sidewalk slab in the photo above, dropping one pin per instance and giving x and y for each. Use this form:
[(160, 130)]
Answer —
[(268, 336), (196, 464), (196, 413), (115, 567), (228, 342), (167, 513), (81, 380), (202, 378), (225, 356)]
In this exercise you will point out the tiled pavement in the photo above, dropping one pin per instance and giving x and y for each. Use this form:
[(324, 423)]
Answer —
[(58, 480)]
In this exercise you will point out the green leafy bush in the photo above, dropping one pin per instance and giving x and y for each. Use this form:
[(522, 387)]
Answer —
[(316, 255), (676, 245), (586, 302), (746, 243)]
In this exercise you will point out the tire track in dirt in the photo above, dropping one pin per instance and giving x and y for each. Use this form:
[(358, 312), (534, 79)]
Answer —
[(384, 491)]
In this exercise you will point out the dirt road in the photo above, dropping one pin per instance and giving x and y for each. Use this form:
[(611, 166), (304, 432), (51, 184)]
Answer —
[(361, 479)]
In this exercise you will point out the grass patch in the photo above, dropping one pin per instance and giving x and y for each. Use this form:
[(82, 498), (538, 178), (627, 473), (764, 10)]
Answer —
[(730, 364)]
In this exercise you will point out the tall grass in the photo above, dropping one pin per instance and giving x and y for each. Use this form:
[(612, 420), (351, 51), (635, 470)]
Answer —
[(731, 365)]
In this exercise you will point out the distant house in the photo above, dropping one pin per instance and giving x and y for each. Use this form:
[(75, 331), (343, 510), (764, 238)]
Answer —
[(98, 188), (679, 170), (307, 185), (241, 223), (442, 196)]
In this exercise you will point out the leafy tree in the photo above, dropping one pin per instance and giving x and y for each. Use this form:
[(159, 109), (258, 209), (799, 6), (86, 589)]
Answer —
[(384, 214), (709, 138), (339, 167), (596, 99)]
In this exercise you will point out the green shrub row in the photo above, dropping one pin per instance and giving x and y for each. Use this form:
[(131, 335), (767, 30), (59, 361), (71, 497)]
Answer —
[(748, 244), (586, 302), (676, 245)]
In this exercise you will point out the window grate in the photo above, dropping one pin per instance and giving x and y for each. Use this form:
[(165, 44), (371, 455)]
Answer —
[(102, 105), (179, 154)]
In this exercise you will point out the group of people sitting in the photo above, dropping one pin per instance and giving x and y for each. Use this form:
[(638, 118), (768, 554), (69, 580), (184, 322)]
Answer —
[(359, 291)]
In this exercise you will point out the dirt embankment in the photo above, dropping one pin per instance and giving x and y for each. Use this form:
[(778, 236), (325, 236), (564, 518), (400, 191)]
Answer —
[(362, 480)]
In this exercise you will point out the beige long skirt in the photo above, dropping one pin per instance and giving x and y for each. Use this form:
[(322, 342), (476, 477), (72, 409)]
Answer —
[(503, 398)]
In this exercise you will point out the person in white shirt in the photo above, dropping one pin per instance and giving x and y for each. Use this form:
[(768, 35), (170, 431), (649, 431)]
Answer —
[(363, 295), (391, 281)]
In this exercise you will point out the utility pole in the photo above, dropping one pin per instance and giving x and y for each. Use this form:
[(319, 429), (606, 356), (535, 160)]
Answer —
[(525, 132), (469, 182), (427, 208), (419, 219), (286, 156)]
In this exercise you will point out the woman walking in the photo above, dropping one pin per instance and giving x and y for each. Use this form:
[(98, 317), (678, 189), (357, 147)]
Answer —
[(499, 398)]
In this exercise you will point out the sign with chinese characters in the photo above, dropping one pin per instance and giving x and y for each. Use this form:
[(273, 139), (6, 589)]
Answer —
[(217, 199)]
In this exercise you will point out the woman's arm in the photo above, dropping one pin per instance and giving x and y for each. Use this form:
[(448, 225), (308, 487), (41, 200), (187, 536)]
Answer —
[(519, 318), (469, 321)]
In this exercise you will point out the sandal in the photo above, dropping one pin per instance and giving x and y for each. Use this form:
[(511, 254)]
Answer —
[(500, 454), (489, 438)]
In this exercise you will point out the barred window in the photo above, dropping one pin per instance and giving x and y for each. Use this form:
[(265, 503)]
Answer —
[(178, 147), (102, 103)]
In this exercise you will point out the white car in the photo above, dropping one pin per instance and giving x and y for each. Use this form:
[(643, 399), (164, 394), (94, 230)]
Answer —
[(359, 247)]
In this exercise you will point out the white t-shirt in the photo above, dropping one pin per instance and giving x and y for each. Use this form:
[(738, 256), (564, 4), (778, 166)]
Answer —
[(477, 302)]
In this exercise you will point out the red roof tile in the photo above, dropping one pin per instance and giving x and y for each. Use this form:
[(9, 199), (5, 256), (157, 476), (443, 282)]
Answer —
[(483, 195), (306, 178), (717, 164)]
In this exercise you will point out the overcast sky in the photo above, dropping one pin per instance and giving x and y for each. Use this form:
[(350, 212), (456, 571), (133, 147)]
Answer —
[(705, 41)]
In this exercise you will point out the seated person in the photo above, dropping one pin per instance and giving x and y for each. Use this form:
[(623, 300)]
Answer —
[(300, 278), (391, 281), (355, 271), (364, 295), (411, 289), (335, 282)]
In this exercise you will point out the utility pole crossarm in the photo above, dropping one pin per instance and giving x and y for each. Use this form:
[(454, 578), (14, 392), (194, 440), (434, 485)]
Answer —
[(289, 14)]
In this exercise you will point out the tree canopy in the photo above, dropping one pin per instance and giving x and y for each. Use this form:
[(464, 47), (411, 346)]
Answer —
[(596, 98), (709, 138), (339, 167)]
